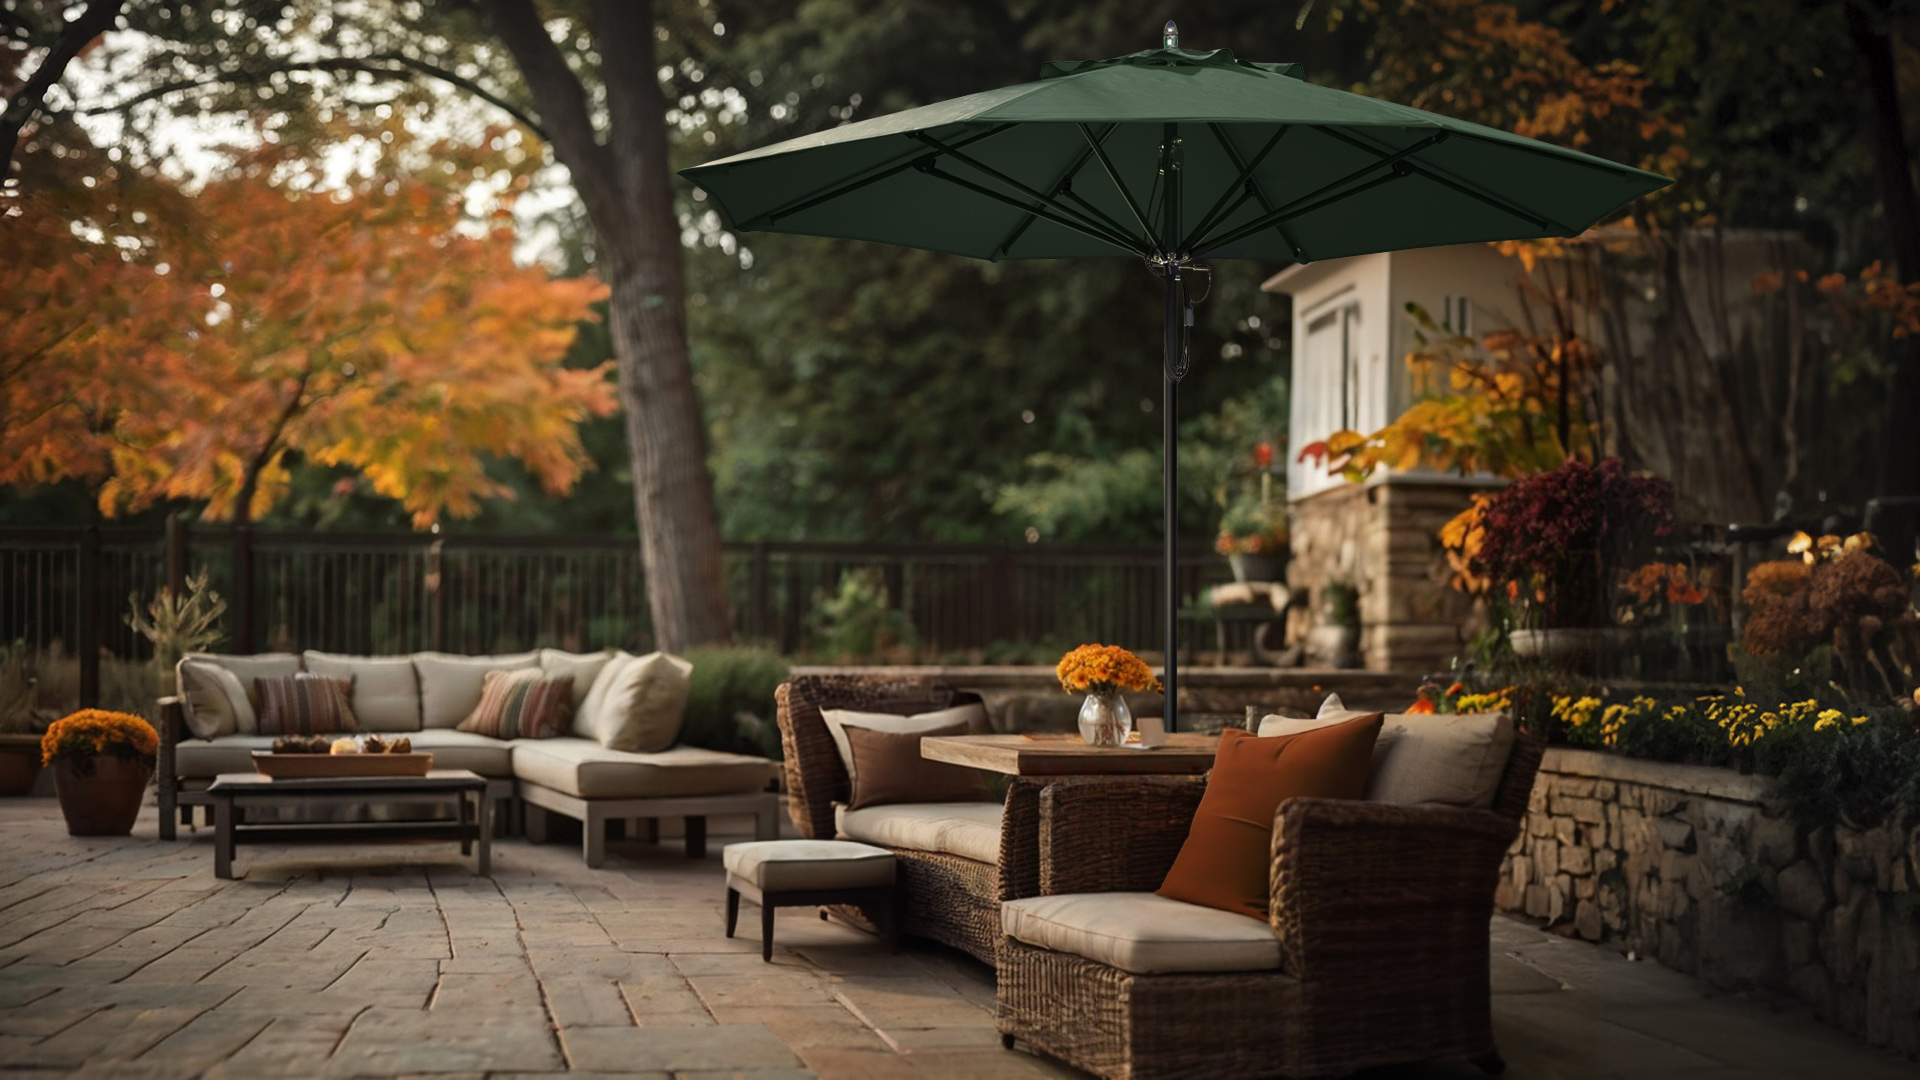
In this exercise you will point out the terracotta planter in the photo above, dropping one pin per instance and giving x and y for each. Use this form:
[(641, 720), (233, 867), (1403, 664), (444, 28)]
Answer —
[(105, 801), (19, 764)]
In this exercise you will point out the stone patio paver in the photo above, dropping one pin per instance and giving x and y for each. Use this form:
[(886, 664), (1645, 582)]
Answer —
[(127, 959)]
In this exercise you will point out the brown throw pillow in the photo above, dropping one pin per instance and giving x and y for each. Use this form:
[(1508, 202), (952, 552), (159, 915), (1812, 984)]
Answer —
[(888, 768), (1226, 862), (305, 704), (523, 703)]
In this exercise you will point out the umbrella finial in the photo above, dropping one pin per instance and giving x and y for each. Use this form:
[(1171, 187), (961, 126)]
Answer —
[(1170, 37)]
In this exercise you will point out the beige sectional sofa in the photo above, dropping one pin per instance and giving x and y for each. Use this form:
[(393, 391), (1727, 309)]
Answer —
[(211, 727)]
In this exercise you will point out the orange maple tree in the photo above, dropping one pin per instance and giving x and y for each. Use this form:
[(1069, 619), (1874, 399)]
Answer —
[(177, 348)]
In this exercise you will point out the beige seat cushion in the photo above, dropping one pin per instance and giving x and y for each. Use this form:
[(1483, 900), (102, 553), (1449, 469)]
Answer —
[(205, 759), (970, 830), (584, 667), (450, 685), (386, 692), (491, 758), (793, 865), (1142, 932), (586, 770), (245, 670), (1444, 759)]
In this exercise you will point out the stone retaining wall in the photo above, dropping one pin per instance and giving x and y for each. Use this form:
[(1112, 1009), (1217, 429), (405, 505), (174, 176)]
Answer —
[(1697, 868)]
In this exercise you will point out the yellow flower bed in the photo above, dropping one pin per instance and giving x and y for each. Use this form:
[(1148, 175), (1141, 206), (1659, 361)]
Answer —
[(91, 732)]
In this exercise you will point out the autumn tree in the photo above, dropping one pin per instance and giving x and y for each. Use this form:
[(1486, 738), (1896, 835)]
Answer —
[(583, 77), (363, 326)]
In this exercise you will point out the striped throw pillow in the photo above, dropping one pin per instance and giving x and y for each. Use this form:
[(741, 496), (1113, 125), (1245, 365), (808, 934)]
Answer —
[(524, 703), (305, 704)]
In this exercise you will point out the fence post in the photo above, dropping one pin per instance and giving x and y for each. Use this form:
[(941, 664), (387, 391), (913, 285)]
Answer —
[(243, 630), (436, 598), (1000, 608), (757, 588), (87, 632), (176, 554)]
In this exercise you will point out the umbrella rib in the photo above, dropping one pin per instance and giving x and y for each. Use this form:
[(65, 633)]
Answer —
[(1041, 211), (1058, 186), (817, 196), (1113, 175), (1085, 222), (1253, 189), (1299, 206), (1094, 212), (1241, 183), (1439, 177)]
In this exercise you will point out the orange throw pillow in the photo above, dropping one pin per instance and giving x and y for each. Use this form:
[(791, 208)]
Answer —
[(1226, 862)]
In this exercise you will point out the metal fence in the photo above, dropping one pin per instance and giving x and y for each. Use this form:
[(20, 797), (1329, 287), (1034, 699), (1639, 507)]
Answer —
[(375, 594)]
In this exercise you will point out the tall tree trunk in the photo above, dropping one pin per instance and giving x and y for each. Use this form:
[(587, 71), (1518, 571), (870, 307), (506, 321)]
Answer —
[(1868, 22), (628, 195), (74, 36)]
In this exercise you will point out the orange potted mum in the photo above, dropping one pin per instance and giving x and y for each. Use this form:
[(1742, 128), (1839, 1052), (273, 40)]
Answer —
[(1101, 672), (101, 762)]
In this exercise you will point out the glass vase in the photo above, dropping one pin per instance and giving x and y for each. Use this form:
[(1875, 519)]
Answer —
[(1105, 719)]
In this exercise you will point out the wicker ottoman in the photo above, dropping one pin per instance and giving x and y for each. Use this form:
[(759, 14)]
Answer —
[(796, 873)]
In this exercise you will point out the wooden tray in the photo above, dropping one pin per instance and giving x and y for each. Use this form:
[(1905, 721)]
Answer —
[(308, 766)]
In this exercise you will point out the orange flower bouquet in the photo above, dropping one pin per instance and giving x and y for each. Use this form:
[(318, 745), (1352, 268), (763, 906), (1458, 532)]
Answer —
[(91, 733), (101, 763), (1102, 672), (1104, 669)]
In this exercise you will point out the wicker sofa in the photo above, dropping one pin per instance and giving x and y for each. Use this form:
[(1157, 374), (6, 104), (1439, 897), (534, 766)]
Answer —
[(1379, 937), (423, 695), (956, 862)]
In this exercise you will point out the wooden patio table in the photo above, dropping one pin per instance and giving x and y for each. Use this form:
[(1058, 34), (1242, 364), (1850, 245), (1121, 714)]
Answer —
[(1186, 754)]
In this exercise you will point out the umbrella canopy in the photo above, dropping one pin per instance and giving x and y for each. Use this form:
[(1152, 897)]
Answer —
[(1172, 156)]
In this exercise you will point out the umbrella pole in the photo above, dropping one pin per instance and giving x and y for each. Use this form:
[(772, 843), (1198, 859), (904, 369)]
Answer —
[(1170, 418)]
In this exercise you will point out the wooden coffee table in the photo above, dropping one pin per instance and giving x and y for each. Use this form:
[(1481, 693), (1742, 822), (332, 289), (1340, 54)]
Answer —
[(233, 794), (1186, 754)]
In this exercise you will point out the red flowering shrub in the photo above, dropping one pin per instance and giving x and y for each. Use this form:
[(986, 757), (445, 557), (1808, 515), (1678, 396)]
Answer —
[(1552, 538)]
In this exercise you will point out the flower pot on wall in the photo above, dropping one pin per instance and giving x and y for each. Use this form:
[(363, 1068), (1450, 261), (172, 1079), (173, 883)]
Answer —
[(1248, 567), (1572, 646), (100, 796), (19, 764)]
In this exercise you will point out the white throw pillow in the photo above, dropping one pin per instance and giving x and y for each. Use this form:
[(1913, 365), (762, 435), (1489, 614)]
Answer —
[(586, 716), (246, 669), (450, 685), (838, 720), (1449, 759), (584, 667), (386, 692), (216, 702), (1333, 706), (642, 705)]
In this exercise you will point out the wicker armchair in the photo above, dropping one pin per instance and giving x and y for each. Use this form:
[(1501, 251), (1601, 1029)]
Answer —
[(947, 898), (1382, 914)]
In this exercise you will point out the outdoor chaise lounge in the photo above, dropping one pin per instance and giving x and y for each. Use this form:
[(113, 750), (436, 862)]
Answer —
[(957, 862), (1375, 952), (423, 696)]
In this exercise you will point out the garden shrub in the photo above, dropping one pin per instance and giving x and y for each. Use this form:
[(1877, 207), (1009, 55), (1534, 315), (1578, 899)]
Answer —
[(730, 704)]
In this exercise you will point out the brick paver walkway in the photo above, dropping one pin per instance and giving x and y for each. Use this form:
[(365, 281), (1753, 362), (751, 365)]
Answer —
[(127, 959)]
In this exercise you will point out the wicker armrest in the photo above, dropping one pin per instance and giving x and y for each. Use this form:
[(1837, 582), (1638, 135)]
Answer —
[(1112, 835), (1369, 891)]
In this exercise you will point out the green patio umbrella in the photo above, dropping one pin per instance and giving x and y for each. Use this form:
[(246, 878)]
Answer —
[(1172, 156)]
